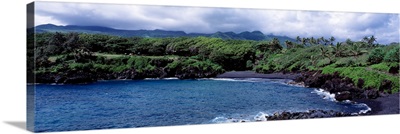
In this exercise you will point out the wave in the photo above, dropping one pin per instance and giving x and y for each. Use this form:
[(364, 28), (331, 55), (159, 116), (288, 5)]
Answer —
[(331, 97), (222, 119), (261, 116), (280, 81), (366, 110), (325, 94), (169, 78), (365, 107), (231, 79)]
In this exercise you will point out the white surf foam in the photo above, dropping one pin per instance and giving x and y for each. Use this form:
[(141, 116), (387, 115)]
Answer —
[(366, 110), (169, 78), (260, 116), (222, 119), (231, 79), (328, 96), (325, 94)]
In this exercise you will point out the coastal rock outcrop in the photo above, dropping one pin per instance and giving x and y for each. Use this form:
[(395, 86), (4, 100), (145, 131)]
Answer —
[(343, 87), (341, 96), (70, 77), (386, 84), (370, 93), (305, 115), (45, 78), (80, 76), (194, 72)]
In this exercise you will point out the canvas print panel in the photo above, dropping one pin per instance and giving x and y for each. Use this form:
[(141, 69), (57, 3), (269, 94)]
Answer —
[(99, 66)]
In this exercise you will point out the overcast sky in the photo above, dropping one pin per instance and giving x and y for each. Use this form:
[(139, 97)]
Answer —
[(341, 25)]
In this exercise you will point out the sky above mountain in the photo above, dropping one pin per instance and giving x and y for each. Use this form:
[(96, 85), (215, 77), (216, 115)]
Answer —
[(341, 25)]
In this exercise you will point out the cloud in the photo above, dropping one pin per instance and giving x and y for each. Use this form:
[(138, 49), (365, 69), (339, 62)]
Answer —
[(208, 20)]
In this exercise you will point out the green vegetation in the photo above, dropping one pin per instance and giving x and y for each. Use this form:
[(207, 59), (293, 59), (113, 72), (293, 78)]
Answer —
[(371, 78), (195, 57), (381, 67)]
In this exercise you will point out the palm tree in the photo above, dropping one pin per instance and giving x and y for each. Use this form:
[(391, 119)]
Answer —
[(326, 42), (314, 60), (349, 42), (371, 40), (304, 41), (313, 41), (356, 49), (298, 39), (365, 39), (274, 45), (338, 50), (321, 39), (332, 39), (326, 53), (288, 44)]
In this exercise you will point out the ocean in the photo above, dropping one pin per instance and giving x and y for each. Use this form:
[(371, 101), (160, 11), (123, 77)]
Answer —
[(169, 102)]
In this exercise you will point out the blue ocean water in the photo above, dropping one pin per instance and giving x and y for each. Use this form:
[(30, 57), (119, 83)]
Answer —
[(144, 103)]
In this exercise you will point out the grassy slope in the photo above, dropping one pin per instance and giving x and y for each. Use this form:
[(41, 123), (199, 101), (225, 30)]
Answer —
[(370, 77), (311, 58)]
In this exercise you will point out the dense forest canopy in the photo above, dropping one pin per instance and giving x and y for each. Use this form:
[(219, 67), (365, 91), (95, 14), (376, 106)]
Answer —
[(114, 57)]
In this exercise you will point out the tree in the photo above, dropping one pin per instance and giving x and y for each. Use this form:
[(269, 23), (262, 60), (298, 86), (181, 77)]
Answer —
[(322, 40), (326, 53), (338, 50), (298, 39), (289, 44), (304, 41), (82, 55), (313, 41), (314, 60), (331, 40), (356, 49), (71, 42), (376, 56), (369, 40), (349, 42), (55, 44), (57, 39), (365, 39), (274, 45), (393, 55), (262, 46)]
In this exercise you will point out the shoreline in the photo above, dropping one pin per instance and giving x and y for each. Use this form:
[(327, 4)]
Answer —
[(252, 74), (379, 106), (389, 104)]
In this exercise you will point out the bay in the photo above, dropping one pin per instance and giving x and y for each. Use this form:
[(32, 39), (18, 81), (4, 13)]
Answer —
[(168, 102)]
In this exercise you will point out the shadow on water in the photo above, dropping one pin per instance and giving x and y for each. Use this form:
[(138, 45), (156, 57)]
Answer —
[(18, 124)]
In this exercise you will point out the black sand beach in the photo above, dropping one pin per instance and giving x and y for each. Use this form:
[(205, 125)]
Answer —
[(383, 105), (252, 74)]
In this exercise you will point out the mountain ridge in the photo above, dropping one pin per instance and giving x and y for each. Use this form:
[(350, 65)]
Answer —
[(245, 35)]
